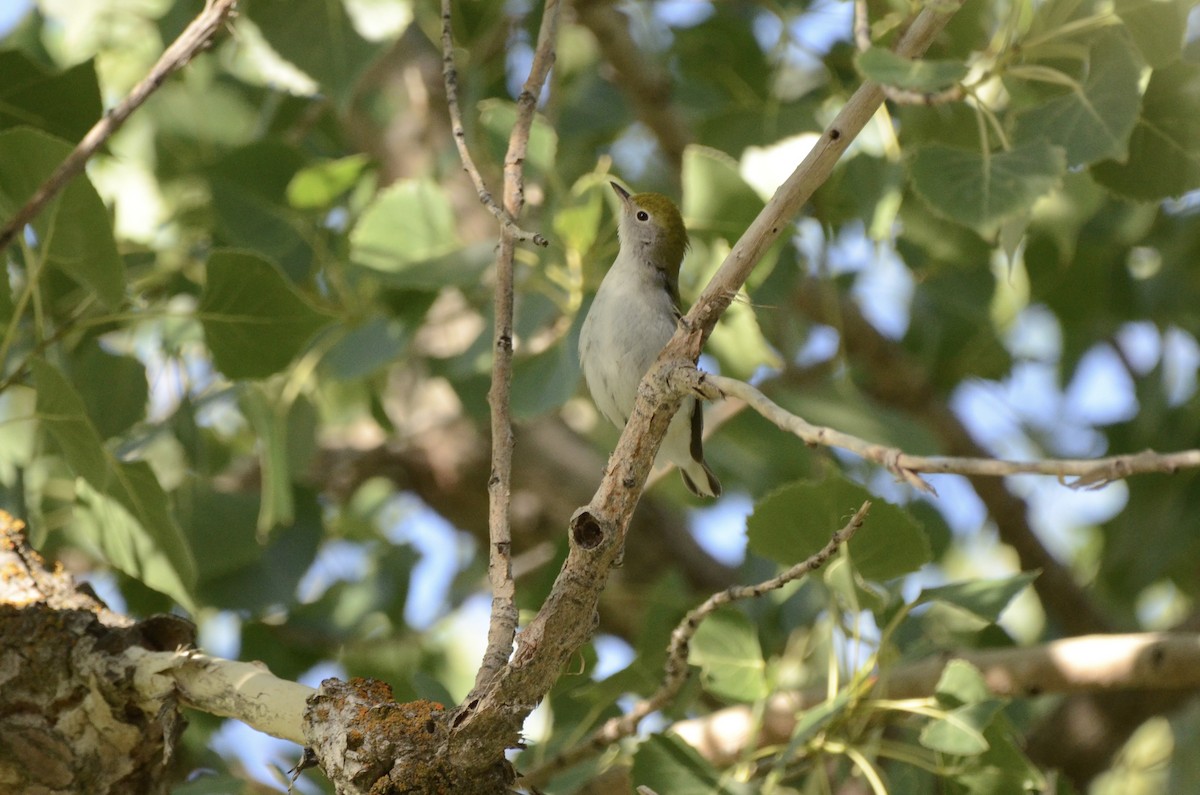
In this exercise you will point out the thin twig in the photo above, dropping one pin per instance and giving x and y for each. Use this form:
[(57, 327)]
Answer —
[(1090, 473), (502, 627), (676, 667), (450, 75), (196, 36)]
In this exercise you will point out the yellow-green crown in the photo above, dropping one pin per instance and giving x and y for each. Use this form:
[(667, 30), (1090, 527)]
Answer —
[(673, 238)]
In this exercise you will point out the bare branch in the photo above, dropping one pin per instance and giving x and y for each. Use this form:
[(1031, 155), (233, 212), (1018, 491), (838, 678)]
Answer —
[(1091, 473), (196, 37), (1086, 664), (450, 75), (502, 627), (248, 692), (676, 667)]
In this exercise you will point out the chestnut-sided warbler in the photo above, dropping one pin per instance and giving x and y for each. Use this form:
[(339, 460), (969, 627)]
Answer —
[(632, 317)]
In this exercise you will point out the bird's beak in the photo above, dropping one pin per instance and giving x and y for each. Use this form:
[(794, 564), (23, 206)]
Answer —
[(624, 194)]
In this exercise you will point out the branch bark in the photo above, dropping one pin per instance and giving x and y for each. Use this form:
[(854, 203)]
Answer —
[(1090, 473)]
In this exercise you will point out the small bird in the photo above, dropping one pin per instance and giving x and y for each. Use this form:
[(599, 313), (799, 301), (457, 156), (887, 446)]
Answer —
[(632, 317)]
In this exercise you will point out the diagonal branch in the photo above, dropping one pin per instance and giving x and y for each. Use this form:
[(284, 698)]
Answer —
[(196, 37)]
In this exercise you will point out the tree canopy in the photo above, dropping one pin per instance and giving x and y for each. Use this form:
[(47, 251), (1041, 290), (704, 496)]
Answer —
[(247, 358)]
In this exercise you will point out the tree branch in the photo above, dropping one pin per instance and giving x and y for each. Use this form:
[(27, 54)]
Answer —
[(195, 37), (493, 719), (503, 624), (1091, 473), (450, 76), (676, 668)]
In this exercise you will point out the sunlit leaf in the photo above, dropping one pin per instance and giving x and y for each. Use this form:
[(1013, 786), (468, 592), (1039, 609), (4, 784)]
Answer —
[(984, 598), (730, 657), (1157, 26), (294, 28)]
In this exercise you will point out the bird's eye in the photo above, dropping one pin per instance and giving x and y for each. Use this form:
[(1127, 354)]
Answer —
[(643, 215)]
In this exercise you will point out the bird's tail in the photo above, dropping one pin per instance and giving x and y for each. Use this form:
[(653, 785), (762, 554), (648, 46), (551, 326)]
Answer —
[(700, 480)]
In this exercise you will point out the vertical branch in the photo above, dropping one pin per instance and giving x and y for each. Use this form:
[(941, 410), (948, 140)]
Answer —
[(503, 624)]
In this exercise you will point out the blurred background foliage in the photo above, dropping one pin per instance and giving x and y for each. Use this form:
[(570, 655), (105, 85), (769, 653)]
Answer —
[(245, 361)]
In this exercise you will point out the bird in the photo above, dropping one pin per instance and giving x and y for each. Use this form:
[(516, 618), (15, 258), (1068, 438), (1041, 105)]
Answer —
[(633, 315)]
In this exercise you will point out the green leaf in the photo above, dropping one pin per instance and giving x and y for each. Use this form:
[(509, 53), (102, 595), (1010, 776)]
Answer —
[(1157, 27), (27, 89), (577, 224), (666, 764), (815, 719), (715, 197), (1164, 150), (249, 187), (62, 413), (983, 191), (124, 508), (319, 38), (795, 521), (737, 340), (18, 430), (460, 268), (113, 388), (254, 319), (321, 184), (986, 599), (730, 657), (73, 230), (961, 732), (408, 222), (270, 427), (1096, 121), (237, 570), (961, 684), (925, 76)]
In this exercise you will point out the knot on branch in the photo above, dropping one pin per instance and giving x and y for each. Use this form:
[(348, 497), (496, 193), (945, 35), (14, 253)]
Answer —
[(586, 530)]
